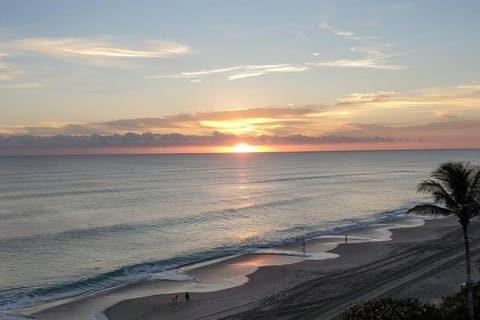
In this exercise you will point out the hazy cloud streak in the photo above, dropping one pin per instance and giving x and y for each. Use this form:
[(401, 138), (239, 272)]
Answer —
[(239, 72), (376, 58), (22, 85), (6, 70), (96, 50), (344, 33), (10, 75), (326, 26)]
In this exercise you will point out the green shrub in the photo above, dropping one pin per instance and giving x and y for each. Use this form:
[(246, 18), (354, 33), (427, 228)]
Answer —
[(455, 307), (393, 309), (452, 308)]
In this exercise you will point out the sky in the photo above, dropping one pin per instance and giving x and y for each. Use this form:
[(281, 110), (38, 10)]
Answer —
[(197, 76)]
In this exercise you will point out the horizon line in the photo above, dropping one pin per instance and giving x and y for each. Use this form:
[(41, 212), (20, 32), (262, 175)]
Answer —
[(227, 153)]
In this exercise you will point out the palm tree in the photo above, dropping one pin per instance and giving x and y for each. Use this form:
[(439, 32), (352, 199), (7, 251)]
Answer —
[(455, 188)]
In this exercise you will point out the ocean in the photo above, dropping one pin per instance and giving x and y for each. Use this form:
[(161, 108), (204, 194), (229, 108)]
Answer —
[(73, 226)]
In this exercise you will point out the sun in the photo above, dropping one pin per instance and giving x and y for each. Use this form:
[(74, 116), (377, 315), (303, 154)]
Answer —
[(242, 148)]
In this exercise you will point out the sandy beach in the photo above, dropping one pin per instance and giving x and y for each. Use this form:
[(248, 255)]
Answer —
[(402, 259)]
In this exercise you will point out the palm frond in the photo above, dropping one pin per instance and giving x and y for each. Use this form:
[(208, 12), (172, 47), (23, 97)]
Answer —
[(475, 184), (474, 209), (455, 177), (438, 192), (431, 209)]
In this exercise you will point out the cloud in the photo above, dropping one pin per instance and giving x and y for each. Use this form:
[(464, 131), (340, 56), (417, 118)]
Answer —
[(439, 116), (445, 115), (447, 132), (35, 144), (239, 72), (198, 73), (343, 33), (448, 116), (96, 51), (469, 86), (11, 77), (347, 34), (378, 97), (255, 71), (22, 85), (361, 63), (7, 72), (454, 134), (245, 75), (376, 58), (198, 123), (452, 98)]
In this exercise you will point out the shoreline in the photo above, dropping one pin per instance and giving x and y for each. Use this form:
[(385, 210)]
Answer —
[(178, 274), (322, 289), (229, 274)]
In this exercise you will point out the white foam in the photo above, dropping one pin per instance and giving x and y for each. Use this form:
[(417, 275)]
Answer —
[(7, 316), (280, 252), (100, 316), (172, 275)]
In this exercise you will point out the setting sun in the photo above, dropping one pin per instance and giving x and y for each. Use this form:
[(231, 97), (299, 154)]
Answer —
[(243, 148)]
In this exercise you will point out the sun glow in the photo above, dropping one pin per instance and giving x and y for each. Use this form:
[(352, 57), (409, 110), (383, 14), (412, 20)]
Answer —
[(243, 148)]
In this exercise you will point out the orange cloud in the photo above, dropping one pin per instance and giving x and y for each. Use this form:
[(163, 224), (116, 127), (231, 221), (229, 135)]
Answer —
[(447, 117)]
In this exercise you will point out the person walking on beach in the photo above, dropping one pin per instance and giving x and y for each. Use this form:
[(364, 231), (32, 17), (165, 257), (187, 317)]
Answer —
[(187, 297)]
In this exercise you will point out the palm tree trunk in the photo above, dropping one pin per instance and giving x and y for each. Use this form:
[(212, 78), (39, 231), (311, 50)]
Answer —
[(470, 306)]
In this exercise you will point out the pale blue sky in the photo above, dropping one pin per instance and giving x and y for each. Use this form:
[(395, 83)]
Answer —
[(64, 62)]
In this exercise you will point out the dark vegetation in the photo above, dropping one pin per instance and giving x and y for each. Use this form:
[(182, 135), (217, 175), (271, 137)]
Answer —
[(392, 309), (452, 308)]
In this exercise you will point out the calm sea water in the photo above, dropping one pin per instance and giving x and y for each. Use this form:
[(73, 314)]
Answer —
[(74, 225)]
